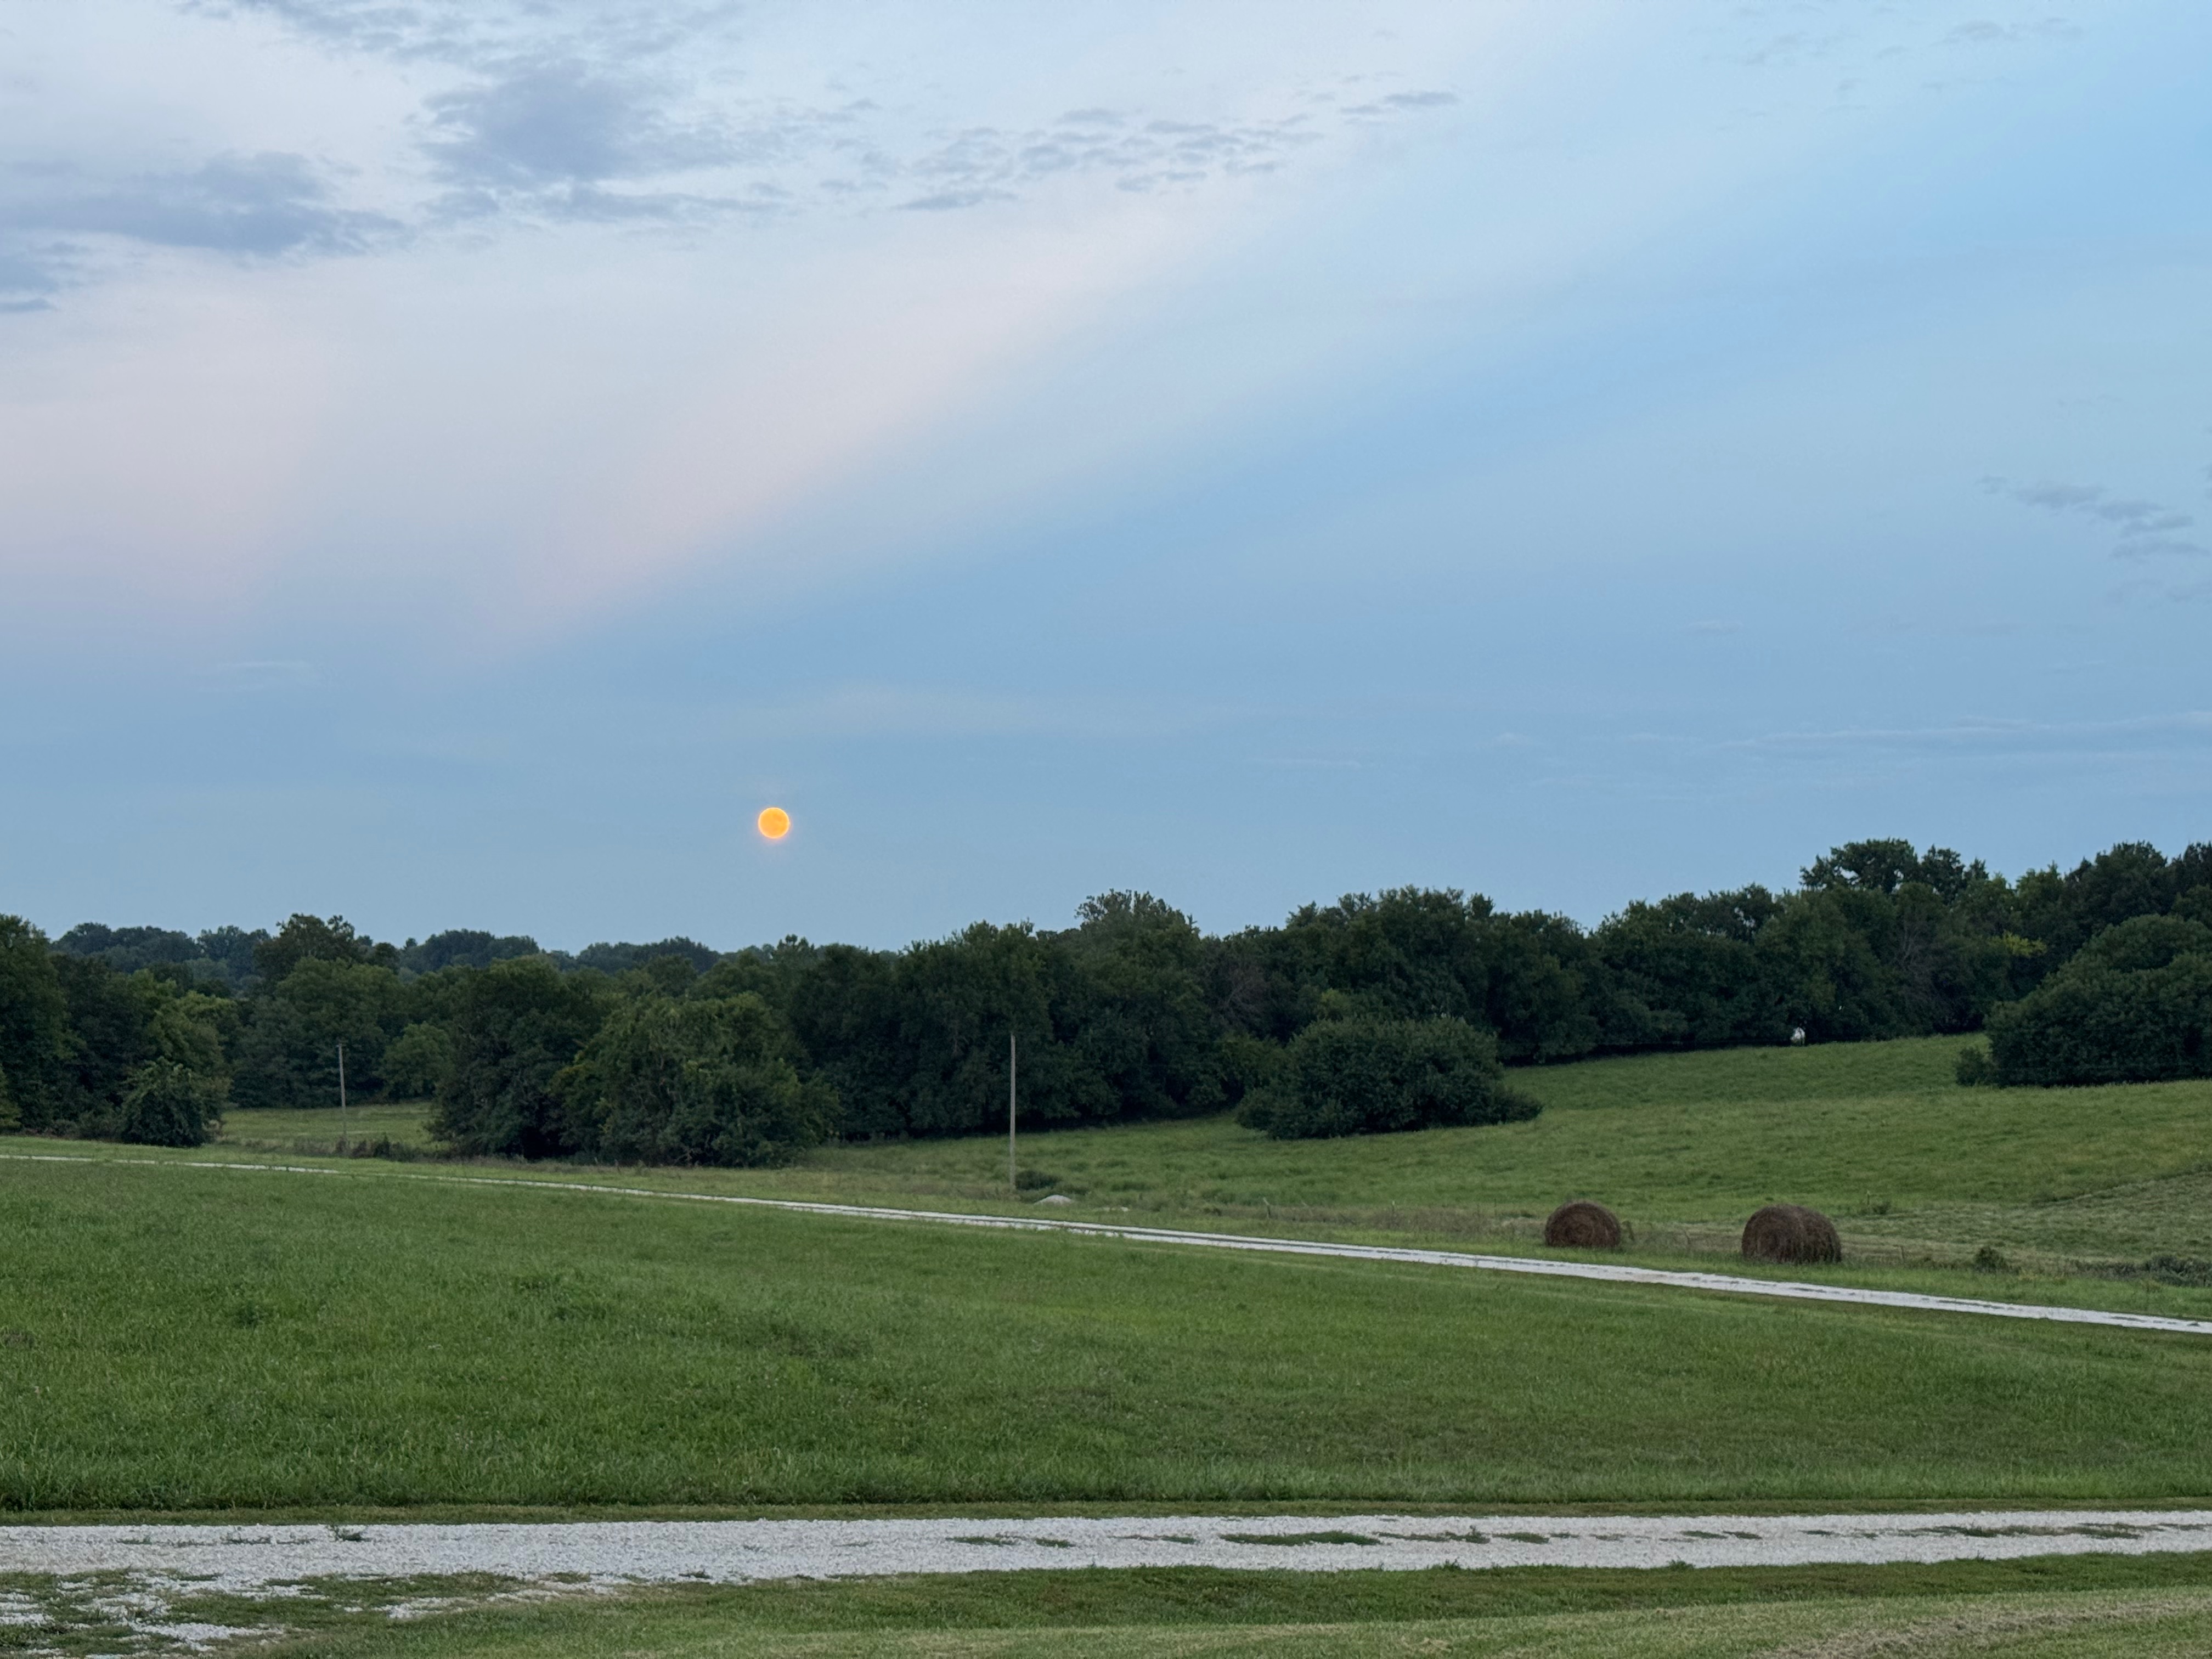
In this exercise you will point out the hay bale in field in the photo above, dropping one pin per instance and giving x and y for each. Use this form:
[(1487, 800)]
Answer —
[(1790, 1232), (1582, 1225)]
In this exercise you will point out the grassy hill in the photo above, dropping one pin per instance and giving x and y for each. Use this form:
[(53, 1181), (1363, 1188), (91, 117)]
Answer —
[(2069, 1186), (184, 1338)]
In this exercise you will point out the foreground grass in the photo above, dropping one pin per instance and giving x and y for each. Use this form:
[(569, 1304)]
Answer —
[(2052, 1605), (184, 1339)]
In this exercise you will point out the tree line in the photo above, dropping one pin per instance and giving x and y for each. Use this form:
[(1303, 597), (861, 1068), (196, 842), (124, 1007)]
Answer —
[(673, 1051)]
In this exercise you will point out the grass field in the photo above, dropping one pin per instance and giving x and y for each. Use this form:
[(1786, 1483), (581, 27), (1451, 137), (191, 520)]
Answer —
[(2080, 1608), (193, 1339), (2073, 1189)]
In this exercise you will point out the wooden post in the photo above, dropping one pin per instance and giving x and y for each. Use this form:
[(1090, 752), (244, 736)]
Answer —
[(1013, 1065), (341, 1099)]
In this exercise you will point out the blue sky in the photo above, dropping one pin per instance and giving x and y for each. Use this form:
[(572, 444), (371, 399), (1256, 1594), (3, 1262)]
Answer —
[(459, 462)]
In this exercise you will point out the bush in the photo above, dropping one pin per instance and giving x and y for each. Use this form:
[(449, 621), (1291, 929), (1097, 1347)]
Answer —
[(707, 1080), (1374, 1076), (2134, 1006), (168, 1104)]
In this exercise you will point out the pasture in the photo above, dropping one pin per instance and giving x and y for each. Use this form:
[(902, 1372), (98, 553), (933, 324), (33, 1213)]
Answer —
[(189, 1339)]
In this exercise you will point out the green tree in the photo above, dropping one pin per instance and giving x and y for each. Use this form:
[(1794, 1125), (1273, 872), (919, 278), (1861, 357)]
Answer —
[(310, 938), (34, 1034), (2134, 1005), (699, 1080), (288, 1051), (417, 1060), (516, 1027)]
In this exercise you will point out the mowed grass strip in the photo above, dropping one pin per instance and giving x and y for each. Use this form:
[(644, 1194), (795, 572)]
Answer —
[(2076, 1606), (183, 1340)]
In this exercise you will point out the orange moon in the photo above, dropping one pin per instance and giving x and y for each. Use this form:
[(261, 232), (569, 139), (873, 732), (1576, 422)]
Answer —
[(774, 823)]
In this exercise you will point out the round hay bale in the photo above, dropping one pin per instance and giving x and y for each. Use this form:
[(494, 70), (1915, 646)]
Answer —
[(1790, 1232), (1582, 1225)]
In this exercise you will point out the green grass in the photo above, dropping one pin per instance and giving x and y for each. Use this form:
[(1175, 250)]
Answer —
[(184, 1339), (2078, 1606), (1686, 1145), (2068, 1186)]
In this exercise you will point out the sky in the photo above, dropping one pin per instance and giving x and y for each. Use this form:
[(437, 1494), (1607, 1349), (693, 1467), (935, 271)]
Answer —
[(459, 462)]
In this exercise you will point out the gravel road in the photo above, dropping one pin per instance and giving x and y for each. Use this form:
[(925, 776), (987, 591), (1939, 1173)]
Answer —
[(251, 1559)]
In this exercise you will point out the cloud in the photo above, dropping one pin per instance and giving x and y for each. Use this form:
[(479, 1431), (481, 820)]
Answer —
[(1981, 31), (557, 123), (2146, 528), (262, 206)]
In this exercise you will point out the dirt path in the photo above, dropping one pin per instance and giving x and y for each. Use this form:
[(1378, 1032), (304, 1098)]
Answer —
[(1618, 1274), (251, 1559)]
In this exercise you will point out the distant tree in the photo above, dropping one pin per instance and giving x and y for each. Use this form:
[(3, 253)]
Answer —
[(231, 950), (698, 1081), (516, 1026), (1135, 1010), (310, 938), (2134, 1005), (464, 947), (619, 959), (288, 1051), (34, 1032), (110, 1018), (417, 1060)]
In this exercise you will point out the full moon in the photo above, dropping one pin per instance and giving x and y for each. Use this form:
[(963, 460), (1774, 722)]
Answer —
[(774, 823)]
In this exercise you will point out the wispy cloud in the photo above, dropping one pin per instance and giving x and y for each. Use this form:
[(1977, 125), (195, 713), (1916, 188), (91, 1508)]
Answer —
[(262, 206), (2146, 529)]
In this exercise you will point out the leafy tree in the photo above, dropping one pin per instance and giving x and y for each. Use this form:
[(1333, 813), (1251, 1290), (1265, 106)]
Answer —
[(517, 1025), (1371, 1076), (417, 1060), (310, 939), (464, 947), (1140, 1020), (2134, 1006), (620, 958), (1687, 971), (696, 1080), (34, 1033), (288, 1051), (847, 1011), (111, 1020)]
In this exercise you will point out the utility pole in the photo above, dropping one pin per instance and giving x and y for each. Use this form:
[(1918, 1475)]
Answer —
[(1013, 1065), (341, 1099)]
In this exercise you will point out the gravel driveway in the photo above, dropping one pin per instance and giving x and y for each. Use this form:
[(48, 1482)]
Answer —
[(248, 1559)]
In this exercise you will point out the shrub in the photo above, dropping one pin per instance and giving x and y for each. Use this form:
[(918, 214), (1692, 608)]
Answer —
[(1582, 1225), (2134, 1006), (705, 1080), (1374, 1076), (168, 1104), (1790, 1232)]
